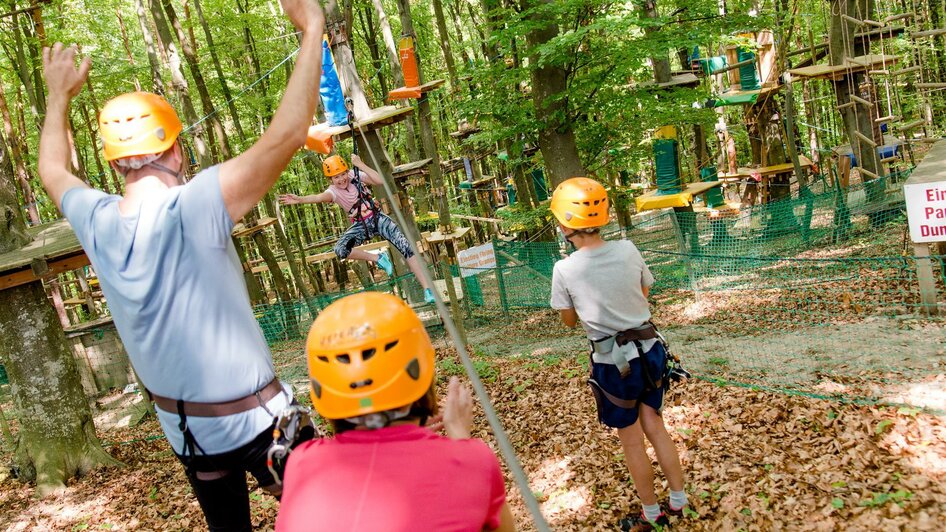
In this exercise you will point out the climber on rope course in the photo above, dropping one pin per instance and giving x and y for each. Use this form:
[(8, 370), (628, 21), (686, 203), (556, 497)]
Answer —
[(349, 190)]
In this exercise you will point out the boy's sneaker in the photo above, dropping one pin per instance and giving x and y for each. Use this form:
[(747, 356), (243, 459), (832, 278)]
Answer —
[(676, 513), (639, 524), (384, 262), (429, 296)]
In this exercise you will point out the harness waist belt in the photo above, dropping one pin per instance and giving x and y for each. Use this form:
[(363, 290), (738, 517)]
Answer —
[(227, 408), (646, 332)]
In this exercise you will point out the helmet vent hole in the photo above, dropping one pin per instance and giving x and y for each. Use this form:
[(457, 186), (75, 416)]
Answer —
[(368, 353), (344, 359), (413, 369), (587, 204), (360, 384), (390, 345), (323, 358)]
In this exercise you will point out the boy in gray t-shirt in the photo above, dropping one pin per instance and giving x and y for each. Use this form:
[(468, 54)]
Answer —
[(605, 285)]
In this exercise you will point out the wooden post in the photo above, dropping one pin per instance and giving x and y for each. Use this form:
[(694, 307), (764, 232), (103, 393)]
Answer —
[(924, 275), (790, 132), (452, 296)]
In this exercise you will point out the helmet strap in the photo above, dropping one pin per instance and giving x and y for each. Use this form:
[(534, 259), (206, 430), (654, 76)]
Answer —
[(378, 420), (179, 175)]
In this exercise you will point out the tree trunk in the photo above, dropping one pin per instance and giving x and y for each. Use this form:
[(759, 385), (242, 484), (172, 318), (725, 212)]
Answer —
[(127, 45), (391, 49), (549, 94), (188, 48), (16, 158), (857, 119), (234, 115), (201, 136), (23, 68), (371, 37), (157, 82), (445, 42), (455, 16), (56, 438)]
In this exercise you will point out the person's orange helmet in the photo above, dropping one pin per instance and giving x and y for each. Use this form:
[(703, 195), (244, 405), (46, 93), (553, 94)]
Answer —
[(334, 165), (368, 353), (138, 123), (580, 203)]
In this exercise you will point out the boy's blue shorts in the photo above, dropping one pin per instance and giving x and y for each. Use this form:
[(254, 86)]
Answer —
[(630, 387)]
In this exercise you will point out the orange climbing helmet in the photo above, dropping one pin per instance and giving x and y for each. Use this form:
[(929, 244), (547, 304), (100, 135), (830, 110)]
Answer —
[(368, 353), (334, 165), (138, 123), (580, 203)]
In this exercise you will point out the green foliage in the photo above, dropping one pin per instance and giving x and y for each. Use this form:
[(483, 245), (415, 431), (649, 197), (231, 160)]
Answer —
[(520, 218)]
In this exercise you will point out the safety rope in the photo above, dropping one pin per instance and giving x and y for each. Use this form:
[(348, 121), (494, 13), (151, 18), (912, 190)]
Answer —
[(502, 439)]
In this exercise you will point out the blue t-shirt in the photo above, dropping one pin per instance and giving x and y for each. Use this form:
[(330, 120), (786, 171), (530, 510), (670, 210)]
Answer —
[(175, 289)]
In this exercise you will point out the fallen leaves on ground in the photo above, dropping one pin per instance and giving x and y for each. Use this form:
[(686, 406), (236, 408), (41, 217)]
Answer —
[(754, 460)]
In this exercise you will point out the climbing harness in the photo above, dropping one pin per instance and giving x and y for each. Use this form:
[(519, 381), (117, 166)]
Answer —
[(624, 347), (291, 427), (364, 195)]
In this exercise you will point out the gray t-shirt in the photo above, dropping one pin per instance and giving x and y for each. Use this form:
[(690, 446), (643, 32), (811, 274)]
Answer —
[(176, 292), (603, 285)]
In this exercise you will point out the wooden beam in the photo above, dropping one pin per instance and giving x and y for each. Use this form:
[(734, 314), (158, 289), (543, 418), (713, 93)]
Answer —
[(903, 71), (901, 16), (931, 85), (476, 218), (912, 125), (39, 5), (26, 275), (735, 66), (927, 33), (865, 139), (852, 20), (866, 172), (862, 101)]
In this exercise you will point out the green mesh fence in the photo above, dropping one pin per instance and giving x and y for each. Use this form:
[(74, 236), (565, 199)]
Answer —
[(811, 293)]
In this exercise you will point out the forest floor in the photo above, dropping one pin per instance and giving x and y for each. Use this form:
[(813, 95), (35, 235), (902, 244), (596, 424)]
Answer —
[(754, 459)]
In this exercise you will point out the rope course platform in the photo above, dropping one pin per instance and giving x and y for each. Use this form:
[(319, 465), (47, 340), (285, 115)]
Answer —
[(676, 80), (242, 230), (851, 64), (655, 200), (414, 169), (376, 119), (53, 250)]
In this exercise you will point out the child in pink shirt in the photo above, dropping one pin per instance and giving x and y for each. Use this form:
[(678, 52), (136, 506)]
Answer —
[(371, 366), (367, 220)]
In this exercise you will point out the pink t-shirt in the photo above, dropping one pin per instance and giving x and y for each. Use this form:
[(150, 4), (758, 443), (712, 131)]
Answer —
[(346, 198), (401, 478)]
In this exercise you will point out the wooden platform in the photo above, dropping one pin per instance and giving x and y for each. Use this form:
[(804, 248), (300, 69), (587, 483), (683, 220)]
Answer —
[(378, 118), (319, 257), (241, 230), (655, 200), (738, 95), (677, 80), (54, 250), (836, 72), (456, 163), (465, 132), (414, 92), (436, 237), (403, 171), (765, 171)]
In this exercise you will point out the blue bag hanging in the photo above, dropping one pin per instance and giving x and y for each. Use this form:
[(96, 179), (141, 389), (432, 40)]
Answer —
[(333, 100)]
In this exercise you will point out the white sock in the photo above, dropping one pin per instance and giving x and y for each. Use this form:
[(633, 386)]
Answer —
[(651, 511), (678, 499)]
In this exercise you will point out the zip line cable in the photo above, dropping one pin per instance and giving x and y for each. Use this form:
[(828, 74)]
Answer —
[(502, 439)]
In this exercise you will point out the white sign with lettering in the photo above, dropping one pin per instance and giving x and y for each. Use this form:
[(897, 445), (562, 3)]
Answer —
[(926, 211), (475, 260)]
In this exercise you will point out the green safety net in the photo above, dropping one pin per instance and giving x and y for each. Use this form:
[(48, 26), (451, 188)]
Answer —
[(714, 196), (667, 166), (810, 294)]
